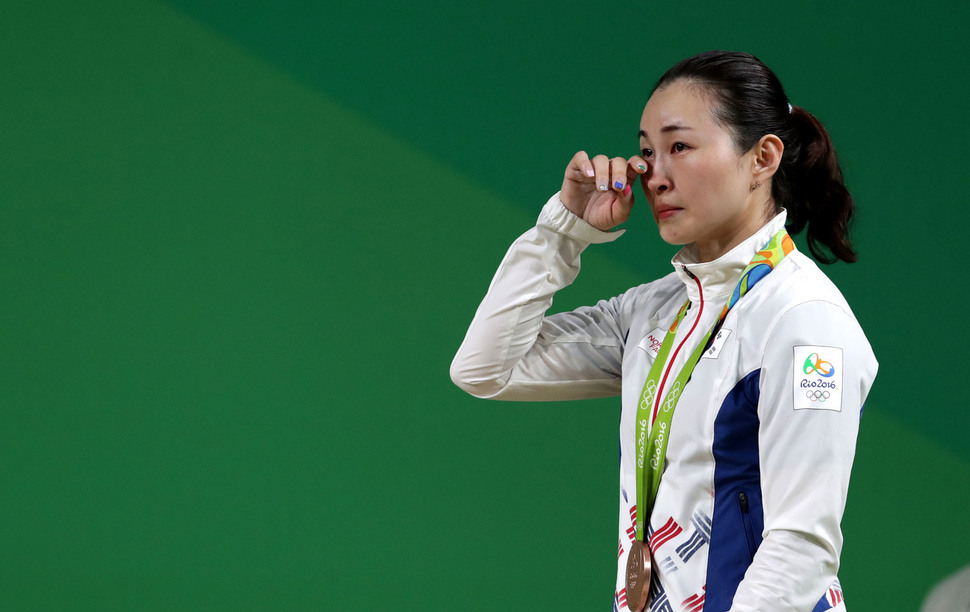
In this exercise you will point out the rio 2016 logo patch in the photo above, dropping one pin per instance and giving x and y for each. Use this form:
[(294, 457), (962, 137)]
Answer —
[(817, 379)]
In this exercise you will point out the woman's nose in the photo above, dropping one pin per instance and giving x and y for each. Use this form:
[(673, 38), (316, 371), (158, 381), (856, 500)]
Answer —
[(656, 180)]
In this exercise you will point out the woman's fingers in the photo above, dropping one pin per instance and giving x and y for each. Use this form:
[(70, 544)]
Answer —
[(601, 169), (608, 174), (580, 168), (618, 175), (577, 184), (636, 166), (599, 189)]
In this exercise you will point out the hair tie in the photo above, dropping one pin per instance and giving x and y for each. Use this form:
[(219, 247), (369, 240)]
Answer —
[(789, 108)]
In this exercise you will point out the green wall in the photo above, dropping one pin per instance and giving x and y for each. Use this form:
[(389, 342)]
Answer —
[(240, 242)]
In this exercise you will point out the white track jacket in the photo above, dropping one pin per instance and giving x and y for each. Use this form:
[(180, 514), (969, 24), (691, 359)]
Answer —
[(761, 444)]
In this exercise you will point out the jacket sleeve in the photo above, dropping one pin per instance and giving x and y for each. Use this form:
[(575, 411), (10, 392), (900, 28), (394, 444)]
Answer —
[(512, 351), (817, 371)]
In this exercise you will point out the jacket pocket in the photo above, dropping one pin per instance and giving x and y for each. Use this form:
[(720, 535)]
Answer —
[(744, 506)]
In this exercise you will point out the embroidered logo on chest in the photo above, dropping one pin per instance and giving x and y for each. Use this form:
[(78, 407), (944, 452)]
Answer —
[(715, 349), (651, 342)]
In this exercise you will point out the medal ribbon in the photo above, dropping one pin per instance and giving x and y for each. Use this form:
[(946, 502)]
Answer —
[(652, 447)]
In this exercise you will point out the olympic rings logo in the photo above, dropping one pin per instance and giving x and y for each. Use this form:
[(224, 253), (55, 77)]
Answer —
[(818, 396), (672, 397), (814, 363), (649, 391)]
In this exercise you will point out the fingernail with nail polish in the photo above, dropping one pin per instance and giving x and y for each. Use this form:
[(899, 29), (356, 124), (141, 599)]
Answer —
[(618, 184), (603, 187)]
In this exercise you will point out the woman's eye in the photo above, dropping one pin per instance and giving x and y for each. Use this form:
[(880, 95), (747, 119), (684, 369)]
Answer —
[(680, 147), (647, 152)]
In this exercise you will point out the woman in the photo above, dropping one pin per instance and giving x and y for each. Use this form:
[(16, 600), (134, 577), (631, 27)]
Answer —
[(742, 373)]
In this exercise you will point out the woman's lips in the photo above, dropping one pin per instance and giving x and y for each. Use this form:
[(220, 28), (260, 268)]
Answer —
[(666, 212)]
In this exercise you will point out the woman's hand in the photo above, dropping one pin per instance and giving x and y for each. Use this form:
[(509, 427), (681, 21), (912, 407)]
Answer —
[(599, 190)]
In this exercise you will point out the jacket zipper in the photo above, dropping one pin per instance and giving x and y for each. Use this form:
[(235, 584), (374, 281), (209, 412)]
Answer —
[(746, 523), (670, 362)]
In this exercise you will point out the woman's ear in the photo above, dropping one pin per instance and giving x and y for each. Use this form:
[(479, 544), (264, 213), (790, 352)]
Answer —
[(767, 157)]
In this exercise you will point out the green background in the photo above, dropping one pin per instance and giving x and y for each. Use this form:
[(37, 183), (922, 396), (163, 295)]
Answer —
[(241, 241)]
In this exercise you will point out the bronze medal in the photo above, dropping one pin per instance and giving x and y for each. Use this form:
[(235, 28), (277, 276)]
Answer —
[(638, 577)]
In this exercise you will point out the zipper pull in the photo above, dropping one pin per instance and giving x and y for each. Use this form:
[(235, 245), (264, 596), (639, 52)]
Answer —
[(700, 290), (743, 502)]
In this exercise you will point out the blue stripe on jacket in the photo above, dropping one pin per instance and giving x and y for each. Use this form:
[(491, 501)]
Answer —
[(739, 518), (738, 515)]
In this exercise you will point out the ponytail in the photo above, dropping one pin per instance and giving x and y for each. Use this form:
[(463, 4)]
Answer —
[(809, 184), (752, 103)]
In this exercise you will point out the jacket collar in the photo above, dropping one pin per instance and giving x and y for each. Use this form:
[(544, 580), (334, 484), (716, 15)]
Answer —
[(719, 277)]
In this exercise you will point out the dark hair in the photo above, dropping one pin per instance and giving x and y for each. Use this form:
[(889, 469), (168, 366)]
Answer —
[(751, 102)]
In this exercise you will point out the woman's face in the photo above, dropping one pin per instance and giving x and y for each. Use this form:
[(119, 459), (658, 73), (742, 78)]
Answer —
[(698, 186)]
